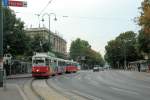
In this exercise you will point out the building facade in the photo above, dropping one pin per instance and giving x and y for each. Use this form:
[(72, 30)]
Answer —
[(58, 44)]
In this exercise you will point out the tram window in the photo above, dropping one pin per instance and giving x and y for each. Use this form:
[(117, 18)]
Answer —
[(55, 63), (50, 61), (38, 61), (47, 62), (60, 63)]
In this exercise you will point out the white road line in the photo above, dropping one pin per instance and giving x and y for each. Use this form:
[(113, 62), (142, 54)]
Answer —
[(91, 81), (86, 95), (123, 90), (20, 91)]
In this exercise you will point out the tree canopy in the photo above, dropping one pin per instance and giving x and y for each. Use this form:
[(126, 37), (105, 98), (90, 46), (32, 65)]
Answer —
[(81, 51), (15, 39), (144, 33), (78, 48), (123, 47)]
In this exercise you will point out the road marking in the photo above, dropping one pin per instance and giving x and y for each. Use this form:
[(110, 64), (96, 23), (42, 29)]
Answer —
[(64, 92), (86, 95), (20, 91), (123, 90)]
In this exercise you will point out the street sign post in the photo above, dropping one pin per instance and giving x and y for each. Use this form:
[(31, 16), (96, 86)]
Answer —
[(6, 3), (17, 3), (1, 44)]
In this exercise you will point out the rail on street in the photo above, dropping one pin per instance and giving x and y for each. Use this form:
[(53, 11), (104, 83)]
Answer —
[(83, 85)]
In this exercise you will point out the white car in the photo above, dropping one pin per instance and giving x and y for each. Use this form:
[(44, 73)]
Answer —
[(95, 69)]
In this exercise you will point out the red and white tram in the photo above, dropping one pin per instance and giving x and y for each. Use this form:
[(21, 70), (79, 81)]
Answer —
[(71, 66), (40, 65), (44, 65)]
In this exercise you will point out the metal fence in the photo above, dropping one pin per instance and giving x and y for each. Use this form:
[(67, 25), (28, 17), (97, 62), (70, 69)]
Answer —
[(18, 67)]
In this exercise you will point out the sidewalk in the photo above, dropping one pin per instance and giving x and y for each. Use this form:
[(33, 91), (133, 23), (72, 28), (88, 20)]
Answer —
[(19, 76), (12, 92)]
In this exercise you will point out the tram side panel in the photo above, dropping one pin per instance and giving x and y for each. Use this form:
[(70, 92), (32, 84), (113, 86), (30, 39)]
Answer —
[(71, 68)]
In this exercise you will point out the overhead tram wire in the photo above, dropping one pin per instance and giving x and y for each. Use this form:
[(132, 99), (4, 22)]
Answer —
[(99, 18), (45, 7), (39, 14)]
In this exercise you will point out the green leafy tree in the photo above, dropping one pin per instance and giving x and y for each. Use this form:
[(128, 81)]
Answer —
[(114, 53), (123, 47), (94, 58), (78, 48), (144, 42), (81, 51), (38, 44), (15, 39), (144, 33)]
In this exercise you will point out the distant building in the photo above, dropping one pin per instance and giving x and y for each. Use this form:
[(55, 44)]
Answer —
[(57, 42)]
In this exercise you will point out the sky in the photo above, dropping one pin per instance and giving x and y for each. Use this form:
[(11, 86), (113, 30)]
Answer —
[(96, 21)]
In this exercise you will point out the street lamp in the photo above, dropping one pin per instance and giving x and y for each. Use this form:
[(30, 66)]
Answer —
[(1, 44), (49, 16)]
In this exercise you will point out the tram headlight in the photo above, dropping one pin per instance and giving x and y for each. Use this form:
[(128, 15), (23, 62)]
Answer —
[(37, 70)]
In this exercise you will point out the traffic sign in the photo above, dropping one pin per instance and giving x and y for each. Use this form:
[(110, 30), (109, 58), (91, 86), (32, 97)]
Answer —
[(17, 3), (5, 2)]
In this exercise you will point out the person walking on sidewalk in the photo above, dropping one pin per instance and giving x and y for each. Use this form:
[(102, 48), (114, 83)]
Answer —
[(139, 67)]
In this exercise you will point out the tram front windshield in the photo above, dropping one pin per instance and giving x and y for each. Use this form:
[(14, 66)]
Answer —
[(38, 62)]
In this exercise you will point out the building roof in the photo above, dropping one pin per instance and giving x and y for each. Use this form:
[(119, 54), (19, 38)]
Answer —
[(44, 29)]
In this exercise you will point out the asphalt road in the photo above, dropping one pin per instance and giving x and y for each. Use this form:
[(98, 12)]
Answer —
[(105, 85)]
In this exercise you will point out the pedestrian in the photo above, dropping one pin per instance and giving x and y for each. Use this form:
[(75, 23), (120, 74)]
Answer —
[(139, 67)]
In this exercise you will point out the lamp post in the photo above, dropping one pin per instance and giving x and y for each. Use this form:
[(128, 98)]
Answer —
[(49, 17), (1, 44)]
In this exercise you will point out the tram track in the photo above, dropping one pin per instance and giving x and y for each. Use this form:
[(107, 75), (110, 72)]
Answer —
[(30, 91), (35, 91), (71, 95), (57, 90), (41, 89), (36, 87)]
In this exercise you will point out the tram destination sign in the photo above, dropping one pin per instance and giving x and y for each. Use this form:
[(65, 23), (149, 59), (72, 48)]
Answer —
[(17, 3)]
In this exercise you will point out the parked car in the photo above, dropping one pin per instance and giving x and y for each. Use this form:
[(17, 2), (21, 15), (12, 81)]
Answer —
[(95, 69)]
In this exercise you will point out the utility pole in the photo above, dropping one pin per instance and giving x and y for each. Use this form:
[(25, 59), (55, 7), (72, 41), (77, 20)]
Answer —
[(1, 44), (125, 53), (125, 61), (49, 17)]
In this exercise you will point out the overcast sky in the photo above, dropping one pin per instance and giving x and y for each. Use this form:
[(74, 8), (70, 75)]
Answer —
[(96, 21)]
